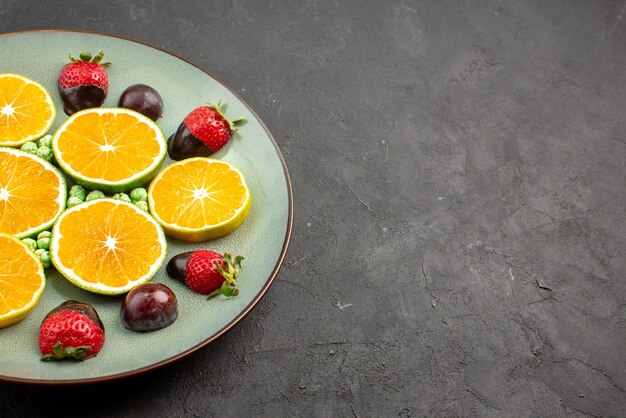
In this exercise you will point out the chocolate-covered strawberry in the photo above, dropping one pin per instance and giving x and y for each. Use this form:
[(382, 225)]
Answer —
[(202, 133), (72, 330), (83, 83), (207, 272)]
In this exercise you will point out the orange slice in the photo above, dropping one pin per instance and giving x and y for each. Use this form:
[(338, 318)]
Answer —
[(26, 110), (113, 150), (22, 280), (199, 199), (32, 193), (107, 246)]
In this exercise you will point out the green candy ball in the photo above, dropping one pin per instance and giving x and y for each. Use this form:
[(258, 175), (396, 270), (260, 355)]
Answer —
[(44, 234), (45, 153), (79, 192), (44, 257), (122, 196), (73, 201), (30, 147), (139, 195), (43, 243), (46, 141), (30, 243), (142, 205), (96, 194)]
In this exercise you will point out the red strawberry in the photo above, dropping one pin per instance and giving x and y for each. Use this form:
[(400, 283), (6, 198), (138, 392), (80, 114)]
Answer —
[(72, 330), (203, 132), (83, 83), (207, 272)]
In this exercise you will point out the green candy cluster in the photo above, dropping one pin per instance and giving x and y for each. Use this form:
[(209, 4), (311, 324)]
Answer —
[(41, 148), (78, 194), (139, 197), (122, 196), (41, 247), (95, 194)]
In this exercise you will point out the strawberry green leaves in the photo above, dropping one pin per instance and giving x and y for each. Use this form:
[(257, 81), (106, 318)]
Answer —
[(87, 57), (230, 273), (67, 353)]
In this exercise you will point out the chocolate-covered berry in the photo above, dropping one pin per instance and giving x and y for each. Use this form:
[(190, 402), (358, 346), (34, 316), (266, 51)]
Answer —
[(83, 83), (143, 99), (203, 132), (148, 307)]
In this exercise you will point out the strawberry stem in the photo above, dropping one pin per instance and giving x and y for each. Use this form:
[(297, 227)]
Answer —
[(87, 57), (72, 353), (226, 290), (229, 271)]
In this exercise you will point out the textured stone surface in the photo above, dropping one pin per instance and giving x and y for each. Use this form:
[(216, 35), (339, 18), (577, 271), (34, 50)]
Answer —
[(459, 239)]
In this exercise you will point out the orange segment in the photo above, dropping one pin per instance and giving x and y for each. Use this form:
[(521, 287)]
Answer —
[(22, 280), (199, 199), (26, 110), (32, 193), (107, 246), (109, 148)]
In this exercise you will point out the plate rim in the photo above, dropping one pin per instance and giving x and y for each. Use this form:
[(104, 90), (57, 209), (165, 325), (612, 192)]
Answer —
[(257, 298)]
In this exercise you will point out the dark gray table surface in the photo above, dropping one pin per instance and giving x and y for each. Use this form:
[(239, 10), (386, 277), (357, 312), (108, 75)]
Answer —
[(460, 234)]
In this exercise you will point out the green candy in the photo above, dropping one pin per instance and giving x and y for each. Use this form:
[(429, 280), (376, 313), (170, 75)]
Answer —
[(43, 243), (45, 153), (122, 196), (96, 194), (44, 234), (139, 195), (79, 192), (44, 257), (46, 141), (142, 205), (73, 201), (30, 147), (30, 243)]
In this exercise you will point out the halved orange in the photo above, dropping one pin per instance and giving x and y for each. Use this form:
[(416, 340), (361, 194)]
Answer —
[(113, 150), (22, 280), (198, 199), (107, 246), (32, 193), (26, 110)]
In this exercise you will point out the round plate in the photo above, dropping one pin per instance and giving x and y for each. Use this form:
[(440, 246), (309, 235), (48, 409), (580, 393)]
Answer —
[(262, 239)]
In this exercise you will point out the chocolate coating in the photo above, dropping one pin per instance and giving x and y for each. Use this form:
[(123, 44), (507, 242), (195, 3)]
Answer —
[(81, 97), (177, 265), (183, 144), (143, 99), (84, 308), (149, 307)]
